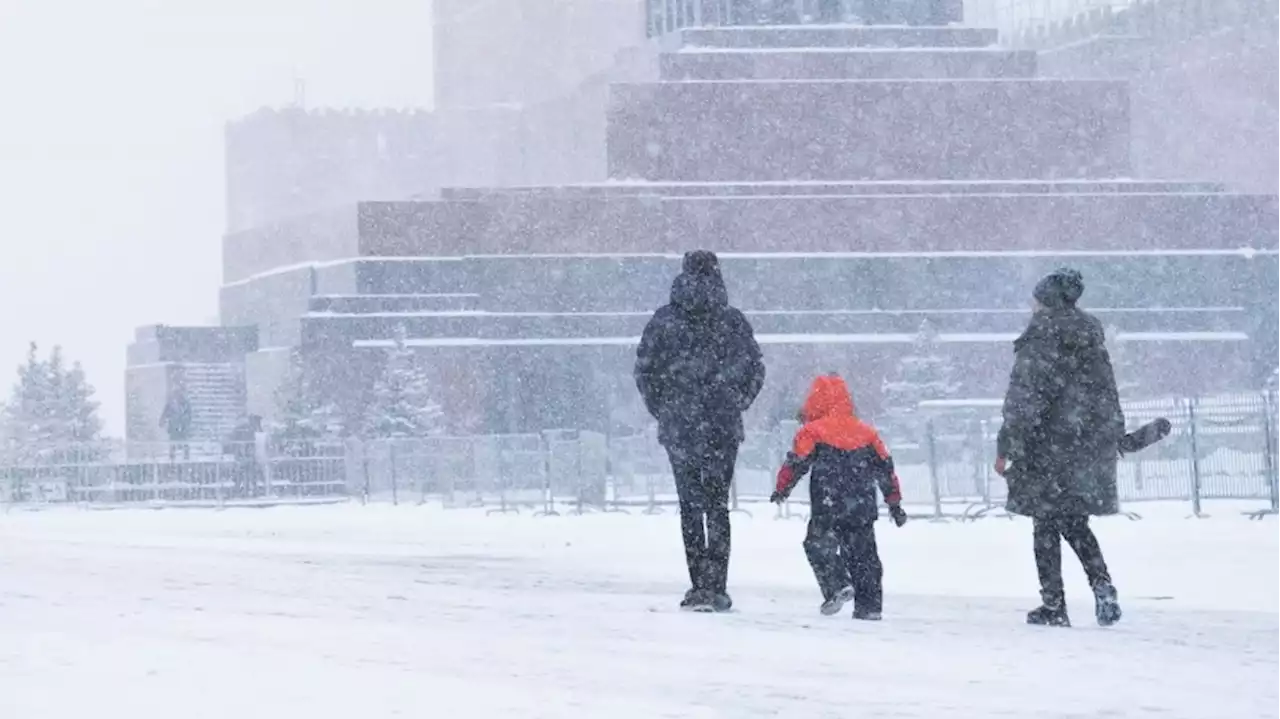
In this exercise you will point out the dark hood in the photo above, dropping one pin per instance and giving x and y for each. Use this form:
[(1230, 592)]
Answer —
[(1068, 328), (1060, 288), (699, 294)]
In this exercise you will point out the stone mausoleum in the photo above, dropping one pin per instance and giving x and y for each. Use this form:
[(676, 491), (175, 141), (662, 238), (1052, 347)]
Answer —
[(856, 181)]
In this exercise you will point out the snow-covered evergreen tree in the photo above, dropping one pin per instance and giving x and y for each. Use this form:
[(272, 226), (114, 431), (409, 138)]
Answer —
[(81, 409), (51, 408), (925, 373), (1122, 362), (402, 403), (304, 409)]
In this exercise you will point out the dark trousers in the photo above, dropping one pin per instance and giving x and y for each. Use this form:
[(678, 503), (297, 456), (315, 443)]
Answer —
[(843, 553), (703, 478), (1048, 533)]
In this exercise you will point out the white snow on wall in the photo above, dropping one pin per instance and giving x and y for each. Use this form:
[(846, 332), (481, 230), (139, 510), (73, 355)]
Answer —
[(790, 339)]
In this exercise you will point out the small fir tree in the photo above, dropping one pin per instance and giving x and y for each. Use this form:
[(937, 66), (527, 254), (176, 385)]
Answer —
[(402, 402), (304, 410), (51, 413), (926, 373), (1122, 363)]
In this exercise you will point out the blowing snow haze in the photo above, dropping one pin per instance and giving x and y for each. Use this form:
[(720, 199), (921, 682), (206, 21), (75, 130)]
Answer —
[(112, 158)]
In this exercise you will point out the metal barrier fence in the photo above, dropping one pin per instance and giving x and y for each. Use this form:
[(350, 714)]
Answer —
[(197, 473), (1221, 447)]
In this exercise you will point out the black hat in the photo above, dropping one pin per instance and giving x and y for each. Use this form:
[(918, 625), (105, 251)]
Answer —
[(1060, 288), (701, 262)]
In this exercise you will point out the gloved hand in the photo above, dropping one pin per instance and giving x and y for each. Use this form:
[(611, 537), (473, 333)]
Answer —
[(897, 514), (784, 484)]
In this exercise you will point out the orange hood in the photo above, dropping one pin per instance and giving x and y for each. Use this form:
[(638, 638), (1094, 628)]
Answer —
[(828, 396)]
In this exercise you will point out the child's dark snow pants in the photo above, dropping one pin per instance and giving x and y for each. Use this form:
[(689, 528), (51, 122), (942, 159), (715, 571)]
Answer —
[(843, 553)]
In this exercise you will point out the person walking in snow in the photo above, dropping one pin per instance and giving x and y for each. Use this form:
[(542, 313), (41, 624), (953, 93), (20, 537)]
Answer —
[(1059, 445), (175, 418), (847, 463), (698, 369)]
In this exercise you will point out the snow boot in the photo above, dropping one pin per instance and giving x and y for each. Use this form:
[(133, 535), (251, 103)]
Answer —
[(1046, 616), (721, 602), (1107, 605), (697, 600), (836, 603), (866, 615)]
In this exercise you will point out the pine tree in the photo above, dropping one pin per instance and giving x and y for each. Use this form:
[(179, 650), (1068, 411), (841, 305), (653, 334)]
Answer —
[(1122, 362), (83, 423), (304, 411), (51, 408), (30, 408), (924, 374), (402, 404)]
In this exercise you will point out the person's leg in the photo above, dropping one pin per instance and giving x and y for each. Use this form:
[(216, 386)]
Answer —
[(1046, 539), (822, 548), (1048, 551), (718, 479), (865, 569), (1075, 529), (690, 492)]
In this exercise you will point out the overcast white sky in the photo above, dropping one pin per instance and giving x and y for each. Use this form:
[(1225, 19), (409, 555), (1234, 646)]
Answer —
[(111, 117)]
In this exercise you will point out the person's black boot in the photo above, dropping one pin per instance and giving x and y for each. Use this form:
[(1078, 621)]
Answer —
[(866, 615), (1047, 616), (1106, 605), (721, 602), (697, 600)]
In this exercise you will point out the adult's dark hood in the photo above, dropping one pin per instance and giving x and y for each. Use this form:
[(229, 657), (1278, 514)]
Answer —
[(699, 288), (1067, 328), (1061, 288)]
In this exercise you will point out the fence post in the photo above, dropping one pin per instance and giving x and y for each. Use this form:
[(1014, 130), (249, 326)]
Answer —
[(984, 428), (364, 469), (391, 459), (1269, 450), (1195, 457), (733, 499), (934, 484)]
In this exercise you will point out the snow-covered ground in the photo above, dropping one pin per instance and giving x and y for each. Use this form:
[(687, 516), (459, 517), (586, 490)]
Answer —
[(366, 612)]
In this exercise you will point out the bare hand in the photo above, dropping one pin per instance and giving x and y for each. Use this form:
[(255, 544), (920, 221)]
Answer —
[(1001, 466)]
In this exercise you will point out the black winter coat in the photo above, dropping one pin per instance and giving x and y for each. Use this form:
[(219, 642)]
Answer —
[(698, 366), (1062, 418), (176, 417)]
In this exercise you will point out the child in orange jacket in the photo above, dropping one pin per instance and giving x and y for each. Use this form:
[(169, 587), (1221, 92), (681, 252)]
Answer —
[(847, 463)]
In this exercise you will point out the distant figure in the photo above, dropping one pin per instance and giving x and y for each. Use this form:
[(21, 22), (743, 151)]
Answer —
[(1060, 442), (846, 463), (244, 446), (176, 420), (698, 368)]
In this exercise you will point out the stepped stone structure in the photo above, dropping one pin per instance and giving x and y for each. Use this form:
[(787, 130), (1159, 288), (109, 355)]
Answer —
[(208, 363), (856, 181)]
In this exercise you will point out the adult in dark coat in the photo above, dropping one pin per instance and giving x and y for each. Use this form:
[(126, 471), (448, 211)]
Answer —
[(176, 420), (698, 369), (1060, 441)]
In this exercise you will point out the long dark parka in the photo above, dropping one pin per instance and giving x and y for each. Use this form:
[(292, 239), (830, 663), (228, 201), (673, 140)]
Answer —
[(698, 366), (1062, 415)]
